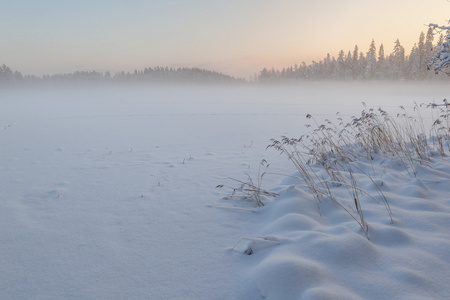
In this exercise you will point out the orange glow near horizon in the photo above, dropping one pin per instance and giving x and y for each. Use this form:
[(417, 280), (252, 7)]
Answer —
[(233, 37)]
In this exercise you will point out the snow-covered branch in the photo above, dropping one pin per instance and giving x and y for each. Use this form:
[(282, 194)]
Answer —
[(441, 59)]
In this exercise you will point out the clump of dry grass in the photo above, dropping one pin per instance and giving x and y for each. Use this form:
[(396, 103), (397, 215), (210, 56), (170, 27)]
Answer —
[(374, 133), (440, 130), (250, 190)]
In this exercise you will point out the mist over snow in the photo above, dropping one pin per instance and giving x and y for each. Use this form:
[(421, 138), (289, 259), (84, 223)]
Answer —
[(109, 192)]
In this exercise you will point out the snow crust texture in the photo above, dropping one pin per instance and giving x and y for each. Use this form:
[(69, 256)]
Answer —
[(300, 255), (110, 194)]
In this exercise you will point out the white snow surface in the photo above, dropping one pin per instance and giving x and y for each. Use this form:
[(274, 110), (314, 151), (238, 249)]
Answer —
[(109, 193)]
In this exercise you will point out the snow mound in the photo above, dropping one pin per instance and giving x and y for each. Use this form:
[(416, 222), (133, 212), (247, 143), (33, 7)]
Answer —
[(299, 254)]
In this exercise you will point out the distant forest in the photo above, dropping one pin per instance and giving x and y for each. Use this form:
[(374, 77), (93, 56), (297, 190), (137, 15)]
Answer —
[(148, 75), (375, 64), (372, 65)]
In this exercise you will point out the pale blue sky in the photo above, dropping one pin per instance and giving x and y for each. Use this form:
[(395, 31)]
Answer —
[(238, 37)]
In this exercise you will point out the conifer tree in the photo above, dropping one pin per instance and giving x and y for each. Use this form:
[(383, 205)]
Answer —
[(361, 66), (398, 60), (371, 60), (414, 66), (354, 65), (6, 74), (380, 74), (429, 50), (340, 66), (421, 57), (348, 66)]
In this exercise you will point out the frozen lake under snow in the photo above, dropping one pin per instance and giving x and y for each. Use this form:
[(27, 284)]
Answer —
[(109, 192)]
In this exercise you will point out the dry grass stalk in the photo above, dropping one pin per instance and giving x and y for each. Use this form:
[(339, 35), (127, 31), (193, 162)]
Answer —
[(374, 133), (250, 190)]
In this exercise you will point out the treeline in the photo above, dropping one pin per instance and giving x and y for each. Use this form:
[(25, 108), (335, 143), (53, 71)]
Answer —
[(375, 64), (148, 75)]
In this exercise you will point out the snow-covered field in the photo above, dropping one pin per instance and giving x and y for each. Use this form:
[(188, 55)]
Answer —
[(110, 193)]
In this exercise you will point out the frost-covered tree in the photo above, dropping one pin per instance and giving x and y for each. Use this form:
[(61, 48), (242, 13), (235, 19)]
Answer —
[(264, 75), (361, 66), (328, 67), (371, 61), (429, 51), (421, 47), (397, 59), (358, 65), (414, 67), (381, 63), (340, 66), (6, 74), (348, 64), (441, 60), (429, 40), (381, 53), (354, 65)]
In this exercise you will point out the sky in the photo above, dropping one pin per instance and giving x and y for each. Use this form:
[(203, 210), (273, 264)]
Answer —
[(236, 37)]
